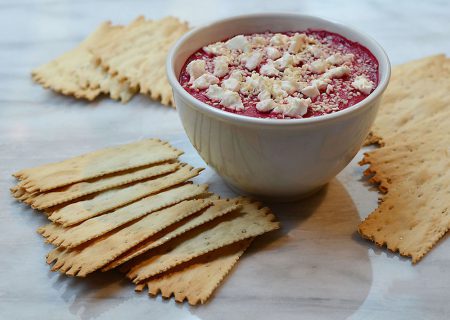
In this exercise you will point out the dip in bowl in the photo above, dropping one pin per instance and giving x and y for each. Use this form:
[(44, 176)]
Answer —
[(277, 104)]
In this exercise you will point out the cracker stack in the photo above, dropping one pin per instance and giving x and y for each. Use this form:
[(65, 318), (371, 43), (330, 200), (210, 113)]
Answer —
[(133, 207), (117, 61), (412, 167)]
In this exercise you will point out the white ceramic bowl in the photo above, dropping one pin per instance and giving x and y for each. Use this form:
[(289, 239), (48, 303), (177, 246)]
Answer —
[(270, 158)]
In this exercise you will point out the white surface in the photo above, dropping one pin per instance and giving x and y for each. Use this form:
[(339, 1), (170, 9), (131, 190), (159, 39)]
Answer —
[(270, 158), (316, 267)]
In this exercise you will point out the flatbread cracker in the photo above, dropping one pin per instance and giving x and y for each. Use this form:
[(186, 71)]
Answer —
[(197, 281), (410, 96), (118, 197), (219, 209), (250, 222), (65, 194), (414, 214), (138, 54), (20, 193), (413, 168), (96, 164), (75, 73), (98, 226), (94, 255)]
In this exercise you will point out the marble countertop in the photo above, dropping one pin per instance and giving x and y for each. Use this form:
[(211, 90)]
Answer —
[(316, 267)]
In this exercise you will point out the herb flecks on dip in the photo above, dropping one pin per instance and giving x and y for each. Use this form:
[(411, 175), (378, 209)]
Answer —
[(281, 75)]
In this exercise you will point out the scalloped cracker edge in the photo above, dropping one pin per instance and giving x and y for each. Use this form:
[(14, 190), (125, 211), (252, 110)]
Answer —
[(75, 73), (98, 226), (96, 164), (407, 99), (220, 208), (197, 281), (413, 166), (96, 254), (80, 189), (251, 221), (118, 197), (138, 53)]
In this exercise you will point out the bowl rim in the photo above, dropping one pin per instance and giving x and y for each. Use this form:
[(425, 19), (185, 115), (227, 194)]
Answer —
[(229, 116)]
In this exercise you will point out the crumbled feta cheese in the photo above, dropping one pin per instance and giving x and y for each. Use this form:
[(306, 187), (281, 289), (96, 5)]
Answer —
[(335, 59), (278, 92), (196, 68), (217, 48), (318, 66), (295, 107), (293, 73), (279, 39), (283, 62), (298, 106), (232, 100), (265, 105), (259, 41), (215, 92), (273, 53), (264, 95), (236, 74), (204, 81), (315, 51), (253, 60), (297, 42), (338, 59), (269, 69), (337, 72), (232, 84), (349, 57), (220, 66), (302, 85), (239, 42), (320, 84), (330, 89), (310, 91), (362, 84), (289, 86), (252, 85), (255, 80)]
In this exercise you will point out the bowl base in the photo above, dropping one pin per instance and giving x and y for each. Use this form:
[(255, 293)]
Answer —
[(275, 199)]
